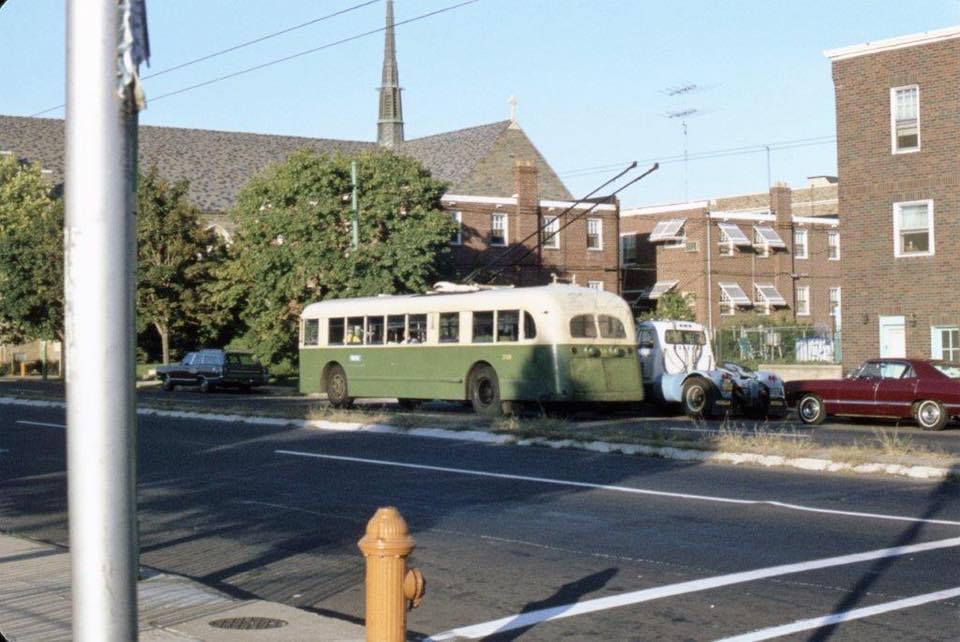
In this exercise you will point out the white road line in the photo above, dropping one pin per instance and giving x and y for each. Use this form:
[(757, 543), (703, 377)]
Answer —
[(622, 489), (40, 423), (531, 618), (847, 616)]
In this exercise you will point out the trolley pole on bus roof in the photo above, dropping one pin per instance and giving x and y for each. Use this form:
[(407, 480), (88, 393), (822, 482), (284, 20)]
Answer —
[(106, 41)]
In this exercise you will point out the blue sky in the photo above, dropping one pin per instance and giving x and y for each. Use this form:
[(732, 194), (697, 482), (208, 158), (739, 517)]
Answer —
[(589, 75)]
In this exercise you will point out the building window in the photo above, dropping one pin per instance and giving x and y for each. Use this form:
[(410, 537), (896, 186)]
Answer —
[(835, 305), (800, 244), (628, 250), (594, 234), (913, 228), (833, 245), (905, 115), (498, 229), (550, 233), (803, 300), (595, 285), (458, 219), (732, 296), (945, 343)]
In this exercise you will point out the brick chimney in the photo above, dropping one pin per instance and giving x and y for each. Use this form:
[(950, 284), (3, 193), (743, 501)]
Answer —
[(525, 185), (781, 205)]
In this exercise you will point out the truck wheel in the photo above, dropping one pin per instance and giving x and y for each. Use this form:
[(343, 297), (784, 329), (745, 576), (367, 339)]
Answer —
[(698, 397), (166, 384), (485, 391), (336, 388), (205, 385), (930, 415), (811, 410)]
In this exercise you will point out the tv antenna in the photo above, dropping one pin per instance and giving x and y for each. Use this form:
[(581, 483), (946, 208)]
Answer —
[(683, 114)]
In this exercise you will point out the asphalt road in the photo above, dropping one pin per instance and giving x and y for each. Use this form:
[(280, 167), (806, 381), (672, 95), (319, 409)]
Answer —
[(521, 543)]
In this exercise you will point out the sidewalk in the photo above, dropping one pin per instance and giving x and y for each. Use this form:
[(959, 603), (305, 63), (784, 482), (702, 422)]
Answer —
[(35, 605)]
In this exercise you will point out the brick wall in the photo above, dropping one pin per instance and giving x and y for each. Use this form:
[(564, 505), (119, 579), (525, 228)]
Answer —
[(573, 260), (923, 289)]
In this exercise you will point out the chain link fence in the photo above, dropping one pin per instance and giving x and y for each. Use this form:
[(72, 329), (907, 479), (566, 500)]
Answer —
[(777, 344)]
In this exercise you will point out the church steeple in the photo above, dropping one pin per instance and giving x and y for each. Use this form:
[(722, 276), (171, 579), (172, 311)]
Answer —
[(390, 123)]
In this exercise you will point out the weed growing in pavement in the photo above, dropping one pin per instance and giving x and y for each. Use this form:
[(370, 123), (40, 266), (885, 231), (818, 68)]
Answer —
[(761, 440), (326, 412)]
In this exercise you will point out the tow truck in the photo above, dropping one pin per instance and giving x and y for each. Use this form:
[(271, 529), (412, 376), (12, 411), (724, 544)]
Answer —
[(678, 366)]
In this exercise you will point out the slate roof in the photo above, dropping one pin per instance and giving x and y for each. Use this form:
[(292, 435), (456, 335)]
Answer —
[(218, 163)]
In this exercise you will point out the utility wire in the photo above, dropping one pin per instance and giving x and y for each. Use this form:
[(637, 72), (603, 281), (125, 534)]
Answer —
[(278, 60), (716, 153)]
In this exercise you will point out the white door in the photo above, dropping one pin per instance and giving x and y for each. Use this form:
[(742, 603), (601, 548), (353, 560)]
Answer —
[(893, 342)]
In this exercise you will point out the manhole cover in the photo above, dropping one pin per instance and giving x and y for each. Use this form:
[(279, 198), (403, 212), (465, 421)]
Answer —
[(248, 623)]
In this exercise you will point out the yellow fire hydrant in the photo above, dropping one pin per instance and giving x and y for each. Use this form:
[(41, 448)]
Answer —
[(392, 589)]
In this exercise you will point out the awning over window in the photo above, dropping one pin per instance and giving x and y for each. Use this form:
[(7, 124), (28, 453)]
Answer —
[(660, 288), (735, 294), (768, 236), (732, 234), (667, 230), (767, 293)]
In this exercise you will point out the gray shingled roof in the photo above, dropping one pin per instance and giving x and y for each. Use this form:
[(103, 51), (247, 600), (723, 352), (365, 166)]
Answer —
[(217, 163)]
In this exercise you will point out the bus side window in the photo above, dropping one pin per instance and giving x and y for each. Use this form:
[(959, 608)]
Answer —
[(449, 327), (508, 325), (396, 329), (418, 328), (529, 326), (311, 332), (355, 330), (374, 331), (335, 335), (483, 327), (583, 326)]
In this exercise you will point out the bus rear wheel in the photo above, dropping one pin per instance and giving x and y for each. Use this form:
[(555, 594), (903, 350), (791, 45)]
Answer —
[(336, 388), (485, 391)]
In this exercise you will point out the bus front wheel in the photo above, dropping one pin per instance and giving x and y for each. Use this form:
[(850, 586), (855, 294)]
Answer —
[(485, 391), (337, 391)]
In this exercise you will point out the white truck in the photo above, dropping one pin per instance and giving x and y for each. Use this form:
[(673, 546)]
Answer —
[(678, 366)]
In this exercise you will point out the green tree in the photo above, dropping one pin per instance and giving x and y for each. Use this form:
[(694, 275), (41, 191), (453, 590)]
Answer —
[(175, 261), (31, 254), (293, 241), (674, 306)]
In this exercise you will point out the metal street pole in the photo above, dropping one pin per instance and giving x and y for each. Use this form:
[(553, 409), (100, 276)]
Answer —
[(99, 330)]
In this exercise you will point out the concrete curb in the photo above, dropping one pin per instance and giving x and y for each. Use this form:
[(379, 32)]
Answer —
[(932, 473)]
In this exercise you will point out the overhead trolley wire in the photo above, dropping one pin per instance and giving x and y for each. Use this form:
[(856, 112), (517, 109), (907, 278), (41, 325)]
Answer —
[(285, 58)]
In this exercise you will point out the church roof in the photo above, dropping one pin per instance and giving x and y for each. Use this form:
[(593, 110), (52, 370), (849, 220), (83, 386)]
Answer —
[(219, 163)]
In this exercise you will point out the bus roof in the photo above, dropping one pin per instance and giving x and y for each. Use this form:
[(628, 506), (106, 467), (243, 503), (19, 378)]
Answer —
[(535, 297)]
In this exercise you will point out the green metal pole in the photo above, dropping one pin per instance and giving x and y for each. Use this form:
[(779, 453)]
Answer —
[(356, 211)]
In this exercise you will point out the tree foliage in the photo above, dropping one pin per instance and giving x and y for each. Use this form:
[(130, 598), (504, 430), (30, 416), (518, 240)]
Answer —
[(293, 241), (174, 263), (674, 306), (31, 254)]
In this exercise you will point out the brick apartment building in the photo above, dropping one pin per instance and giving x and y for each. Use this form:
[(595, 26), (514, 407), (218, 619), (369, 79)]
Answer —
[(747, 259), (898, 155)]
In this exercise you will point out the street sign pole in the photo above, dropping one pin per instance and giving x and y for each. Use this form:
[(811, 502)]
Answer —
[(98, 324)]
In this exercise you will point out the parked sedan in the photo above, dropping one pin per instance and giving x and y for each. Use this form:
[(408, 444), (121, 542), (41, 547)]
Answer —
[(207, 369), (927, 391)]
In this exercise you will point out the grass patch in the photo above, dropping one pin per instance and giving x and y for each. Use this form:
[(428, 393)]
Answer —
[(144, 370), (761, 440)]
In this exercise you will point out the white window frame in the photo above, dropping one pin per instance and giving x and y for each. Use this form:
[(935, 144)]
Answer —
[(726, 248), (936, 342), (599, 234), (835, 302), (595, 285), (551, 239), (893, 120), (805, 299), (833, 241), (458, 238), (805, 244), (506, 228), (897, 208)]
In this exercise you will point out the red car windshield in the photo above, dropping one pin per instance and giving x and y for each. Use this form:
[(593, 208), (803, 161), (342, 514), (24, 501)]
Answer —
[(951, 370)]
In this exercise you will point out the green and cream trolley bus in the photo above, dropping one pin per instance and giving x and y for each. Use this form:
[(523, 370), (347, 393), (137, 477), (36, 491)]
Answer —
[(490, 346)]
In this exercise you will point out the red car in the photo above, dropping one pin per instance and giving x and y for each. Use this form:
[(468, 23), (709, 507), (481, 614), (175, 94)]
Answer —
[(927, 391)]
